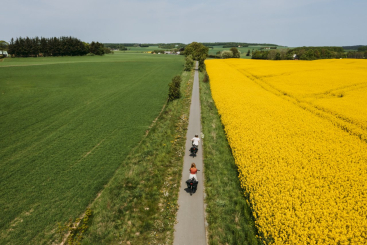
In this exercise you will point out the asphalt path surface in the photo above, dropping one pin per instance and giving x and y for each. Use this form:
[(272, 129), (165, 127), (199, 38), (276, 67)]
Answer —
[(190, 227)]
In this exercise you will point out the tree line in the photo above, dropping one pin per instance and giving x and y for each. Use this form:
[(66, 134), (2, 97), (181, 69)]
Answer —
[(357, 54), (171, 45), (360, 54), (62, 46), (306, 53), (124, 46), (118, 46), (356, 47), (236, 44)]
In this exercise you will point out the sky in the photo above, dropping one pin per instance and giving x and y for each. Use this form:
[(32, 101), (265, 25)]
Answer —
[(290, 23)]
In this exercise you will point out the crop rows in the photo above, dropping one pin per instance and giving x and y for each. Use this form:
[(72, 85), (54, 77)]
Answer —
[(303, 174), (67, 124)]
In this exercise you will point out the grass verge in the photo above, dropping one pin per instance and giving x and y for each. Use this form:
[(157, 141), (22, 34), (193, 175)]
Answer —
[(228, 214), (139, 204)]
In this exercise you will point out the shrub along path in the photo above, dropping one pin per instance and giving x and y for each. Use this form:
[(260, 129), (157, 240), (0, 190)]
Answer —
[(190, 227)]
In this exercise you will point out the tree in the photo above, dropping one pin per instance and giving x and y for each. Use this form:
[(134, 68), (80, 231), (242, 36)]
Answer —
[(11, 47), (107, 50), (283, 54), (35, 46), (272, 55), (198, 52), (248, 53), (235, 52), (189, 63), (54, 46), (226, 54), (362, 48), (317, 54), (310, 54), (257, 54), (174, 88), (44, 47), (359, 55), (17, 47), (85, 47), (96, 48), (4, 45), (206, 77), (21, 46)]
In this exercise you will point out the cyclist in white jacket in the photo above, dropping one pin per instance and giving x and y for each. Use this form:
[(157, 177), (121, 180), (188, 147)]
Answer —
[(195, 140)]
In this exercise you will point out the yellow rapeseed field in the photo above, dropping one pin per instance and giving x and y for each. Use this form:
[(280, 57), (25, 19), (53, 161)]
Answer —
[(297, 130)]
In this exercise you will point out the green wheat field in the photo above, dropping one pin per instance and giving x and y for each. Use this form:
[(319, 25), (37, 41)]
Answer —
[(66, 125)]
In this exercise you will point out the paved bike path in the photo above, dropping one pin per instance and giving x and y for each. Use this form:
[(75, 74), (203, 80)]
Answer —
[(190, 227)]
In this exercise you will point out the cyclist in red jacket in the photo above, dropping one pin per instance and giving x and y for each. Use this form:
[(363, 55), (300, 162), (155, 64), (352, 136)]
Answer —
[(193, 171)]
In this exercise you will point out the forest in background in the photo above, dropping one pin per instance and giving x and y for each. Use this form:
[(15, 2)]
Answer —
[(310, 53), (54, 46)]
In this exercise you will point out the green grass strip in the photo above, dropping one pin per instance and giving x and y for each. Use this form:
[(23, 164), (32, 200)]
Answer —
[(228, 214), (139, 204)]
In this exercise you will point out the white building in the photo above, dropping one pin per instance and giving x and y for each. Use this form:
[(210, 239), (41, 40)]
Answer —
[(5, 53)]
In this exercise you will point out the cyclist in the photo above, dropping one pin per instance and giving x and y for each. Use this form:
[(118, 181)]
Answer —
[(193, 171), (195, 140)]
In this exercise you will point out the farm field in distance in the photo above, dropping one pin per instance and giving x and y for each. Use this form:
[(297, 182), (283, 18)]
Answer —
[(298, 133), (141, 49), (67, 123)]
